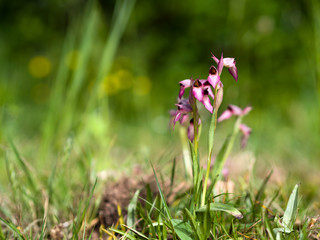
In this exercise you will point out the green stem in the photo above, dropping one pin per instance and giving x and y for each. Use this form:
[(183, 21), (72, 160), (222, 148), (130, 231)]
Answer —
[(186, 153), (210, 143), (195, 162), (223, 155)]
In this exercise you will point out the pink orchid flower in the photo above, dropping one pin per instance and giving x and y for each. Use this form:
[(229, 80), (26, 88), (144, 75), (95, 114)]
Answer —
[(201, 90), (214, 77), (183, 85), (230, 63), (246, 131), (181, 114), (234, 110)]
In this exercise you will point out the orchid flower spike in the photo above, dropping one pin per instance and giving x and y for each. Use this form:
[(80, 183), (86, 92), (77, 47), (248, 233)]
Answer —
[(230, 63)]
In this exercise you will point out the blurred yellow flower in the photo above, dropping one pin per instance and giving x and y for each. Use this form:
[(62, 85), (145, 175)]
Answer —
[(142, 86), (120, 80), (39, 67), (125, 79), (111, 84)]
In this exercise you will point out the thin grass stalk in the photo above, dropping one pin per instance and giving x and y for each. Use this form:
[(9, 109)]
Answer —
[(56, 97), (316, 27), (120, 19), (87, 42)]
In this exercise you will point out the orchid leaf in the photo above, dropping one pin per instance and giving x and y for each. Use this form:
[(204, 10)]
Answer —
[(195, 164), (221, 207), (132, 209), (183, 229), (290, 213), (194, 224)]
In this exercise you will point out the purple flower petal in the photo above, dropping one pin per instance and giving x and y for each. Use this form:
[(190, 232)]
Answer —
[(191, 130), (213, 77), (183, 119), (183, 85), (206, 102), (246, 110), (214, 58), (246, 131), (207, 86), (184, 106), (176, 118), (225, 115), (234, 72), (197, 90), (235, 110), (229, 62), (220, 64)]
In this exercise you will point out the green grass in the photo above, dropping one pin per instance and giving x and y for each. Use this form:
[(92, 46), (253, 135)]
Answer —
[(52, 178), (30, 212)]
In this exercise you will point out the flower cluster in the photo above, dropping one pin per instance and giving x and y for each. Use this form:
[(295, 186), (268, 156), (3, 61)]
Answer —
[(209, 92)]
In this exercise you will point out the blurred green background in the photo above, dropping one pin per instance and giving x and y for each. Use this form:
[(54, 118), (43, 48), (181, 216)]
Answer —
[(105, 75)]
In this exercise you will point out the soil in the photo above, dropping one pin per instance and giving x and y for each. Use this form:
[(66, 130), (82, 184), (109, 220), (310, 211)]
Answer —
[(120, 193)]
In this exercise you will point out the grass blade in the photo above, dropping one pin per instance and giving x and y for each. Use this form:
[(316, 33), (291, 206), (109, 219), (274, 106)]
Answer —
[(124, 234), (263, 187), (13, 228), (80, 218), (137, 232), (221, 207), (161, 195), (173, 170), (120, 19), (24, 167), (194, 225), (132, 210)]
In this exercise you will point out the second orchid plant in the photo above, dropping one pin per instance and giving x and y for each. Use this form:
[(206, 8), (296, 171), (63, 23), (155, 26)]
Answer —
[(208, 92)]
